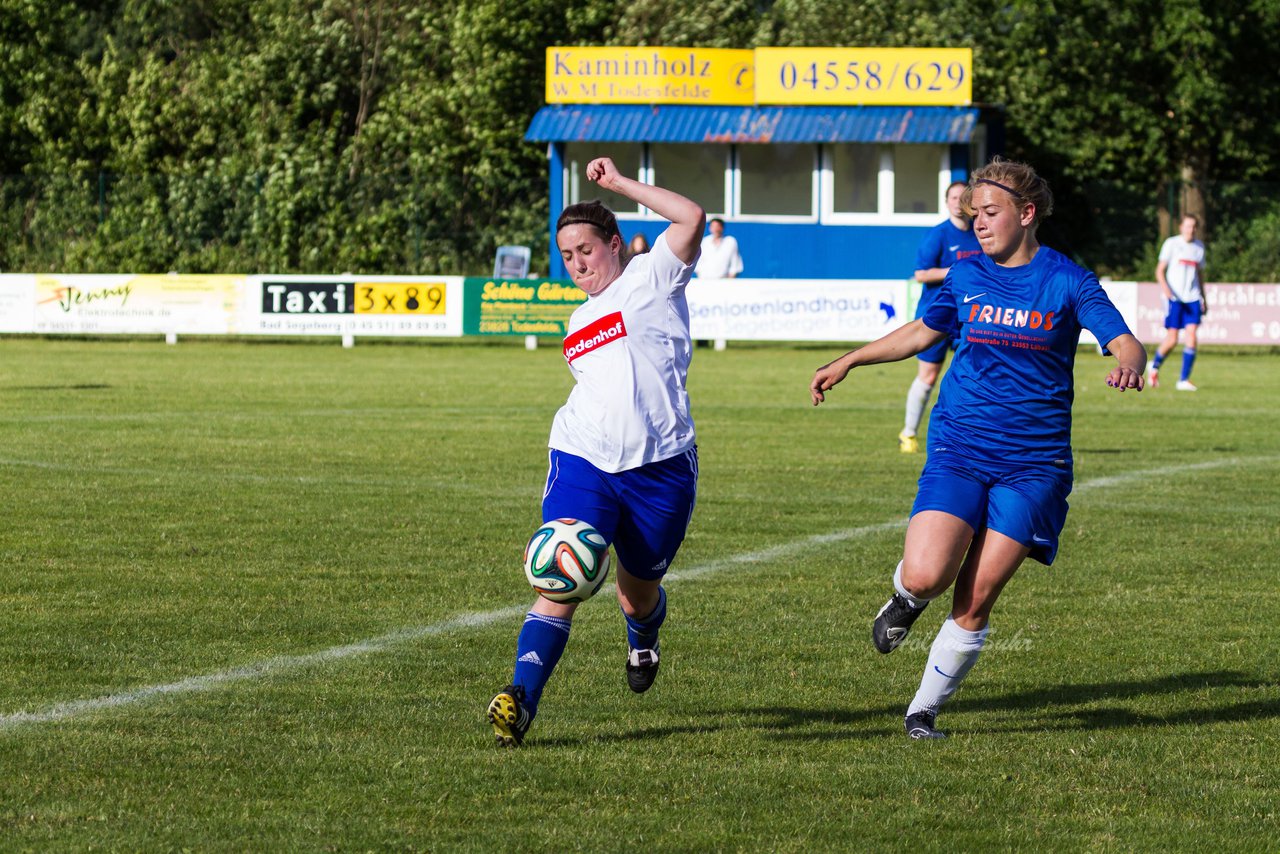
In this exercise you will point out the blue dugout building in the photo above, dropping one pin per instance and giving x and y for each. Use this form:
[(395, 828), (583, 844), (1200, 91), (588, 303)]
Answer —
[(810, 192)]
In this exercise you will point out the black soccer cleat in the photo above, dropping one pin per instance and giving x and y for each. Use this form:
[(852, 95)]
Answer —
[(509, 716), (642, 668), (920, 725), (892, 623)]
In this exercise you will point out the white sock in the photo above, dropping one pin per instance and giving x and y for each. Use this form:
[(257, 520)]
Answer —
[(912, 599), (953, 654), (917, 400)]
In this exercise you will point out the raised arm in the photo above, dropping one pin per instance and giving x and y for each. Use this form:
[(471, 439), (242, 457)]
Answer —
[(1131, 357), (901, 343), (688, 220)]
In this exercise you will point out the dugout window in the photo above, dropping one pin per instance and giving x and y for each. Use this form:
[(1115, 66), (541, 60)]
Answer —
[(920, 176), (873, 184), (702, 173), (854, 175), (776, 182), (627, 156)]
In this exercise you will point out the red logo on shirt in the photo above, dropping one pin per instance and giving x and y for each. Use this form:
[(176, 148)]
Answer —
[(603, 331)]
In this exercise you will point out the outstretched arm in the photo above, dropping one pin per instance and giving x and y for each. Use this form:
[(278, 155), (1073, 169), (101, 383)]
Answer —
[(688, 220), (899, 344), (1132, 359)]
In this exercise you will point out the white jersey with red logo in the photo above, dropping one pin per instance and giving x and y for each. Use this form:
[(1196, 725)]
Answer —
[(628, 348), (1185, 259)]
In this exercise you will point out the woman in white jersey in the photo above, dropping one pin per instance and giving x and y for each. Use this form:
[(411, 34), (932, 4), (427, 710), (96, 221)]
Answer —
[(623, 457)]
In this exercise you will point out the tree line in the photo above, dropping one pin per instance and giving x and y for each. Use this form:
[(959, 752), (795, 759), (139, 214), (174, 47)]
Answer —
[(387, 135)]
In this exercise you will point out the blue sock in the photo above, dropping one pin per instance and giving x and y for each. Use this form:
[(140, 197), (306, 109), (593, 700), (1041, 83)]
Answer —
[(538, 650), (1158, 360), (1188, 359), (643, 634)]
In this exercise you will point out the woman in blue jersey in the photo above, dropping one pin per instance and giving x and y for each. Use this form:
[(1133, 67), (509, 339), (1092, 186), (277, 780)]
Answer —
[(994, 487), (946, 243), (623, 456)]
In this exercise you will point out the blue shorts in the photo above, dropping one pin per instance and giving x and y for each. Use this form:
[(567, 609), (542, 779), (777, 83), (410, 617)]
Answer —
[(1027, 503), (643, 512), (1182, 314)]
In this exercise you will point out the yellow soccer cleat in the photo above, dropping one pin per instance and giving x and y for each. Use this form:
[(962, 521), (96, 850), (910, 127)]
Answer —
[(908, 444), (509, 716)]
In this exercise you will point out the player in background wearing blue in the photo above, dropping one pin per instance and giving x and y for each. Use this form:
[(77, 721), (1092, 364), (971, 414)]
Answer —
[(622, 451), (945, 244), (1180, 273), (995, 483)]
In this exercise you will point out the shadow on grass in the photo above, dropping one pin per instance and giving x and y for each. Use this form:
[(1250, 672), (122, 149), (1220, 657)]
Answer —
[(65, 387), (1046, 709)]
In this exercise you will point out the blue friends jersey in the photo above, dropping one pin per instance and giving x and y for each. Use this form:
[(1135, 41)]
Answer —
[(943, 246), (1007, 396)]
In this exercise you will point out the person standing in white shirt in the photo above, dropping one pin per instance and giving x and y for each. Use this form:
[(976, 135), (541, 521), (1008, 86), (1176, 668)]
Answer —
[(1180, 273), (720, 258), (622, 451)]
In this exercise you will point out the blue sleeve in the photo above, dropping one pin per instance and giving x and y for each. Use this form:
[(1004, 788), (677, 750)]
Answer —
[(929, 254), (1097, 313), (941, 314)]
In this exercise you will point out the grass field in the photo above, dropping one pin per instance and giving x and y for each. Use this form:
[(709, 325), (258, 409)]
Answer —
[(257, 595)]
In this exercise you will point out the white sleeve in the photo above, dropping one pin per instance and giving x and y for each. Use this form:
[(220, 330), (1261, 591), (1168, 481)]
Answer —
[(666, 270), (1166, 250), (735, 265)]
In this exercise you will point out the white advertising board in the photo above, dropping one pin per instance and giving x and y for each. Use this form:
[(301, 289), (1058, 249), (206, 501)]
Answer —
[(17, 303), (796, 309)]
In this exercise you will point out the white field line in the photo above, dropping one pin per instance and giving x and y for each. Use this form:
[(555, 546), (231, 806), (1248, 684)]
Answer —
[(287, 663)]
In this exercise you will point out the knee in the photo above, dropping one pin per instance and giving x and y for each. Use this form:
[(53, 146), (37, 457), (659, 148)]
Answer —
[(922, 581)]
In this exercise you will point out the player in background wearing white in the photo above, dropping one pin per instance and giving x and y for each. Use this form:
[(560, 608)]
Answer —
[(1180, 273), (994, 487), (622, 452), (946, 243), (720, 258)]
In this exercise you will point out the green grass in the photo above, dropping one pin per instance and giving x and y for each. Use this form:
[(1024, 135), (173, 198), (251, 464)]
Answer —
[(207, 511)]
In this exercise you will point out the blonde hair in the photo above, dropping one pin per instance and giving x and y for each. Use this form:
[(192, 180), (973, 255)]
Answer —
[(1018, 180)]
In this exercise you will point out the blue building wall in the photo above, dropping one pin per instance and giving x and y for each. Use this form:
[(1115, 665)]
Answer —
[(807, 250)]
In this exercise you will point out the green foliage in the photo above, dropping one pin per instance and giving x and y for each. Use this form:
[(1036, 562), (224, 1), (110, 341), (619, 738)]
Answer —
[(1247, 247), (387, 135)]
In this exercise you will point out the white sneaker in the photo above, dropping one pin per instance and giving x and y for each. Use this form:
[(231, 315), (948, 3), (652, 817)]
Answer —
[(1185, 385)]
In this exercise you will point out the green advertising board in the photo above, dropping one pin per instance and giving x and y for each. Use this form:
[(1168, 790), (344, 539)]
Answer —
[(518, 306)]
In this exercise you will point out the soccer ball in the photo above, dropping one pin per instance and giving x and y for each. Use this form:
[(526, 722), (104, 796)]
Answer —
[(566, 560)]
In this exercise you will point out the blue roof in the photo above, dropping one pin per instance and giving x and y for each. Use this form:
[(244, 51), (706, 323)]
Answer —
[(645, 123)]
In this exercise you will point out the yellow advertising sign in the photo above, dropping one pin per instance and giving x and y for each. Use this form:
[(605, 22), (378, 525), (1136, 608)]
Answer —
[(81, 303), (400, 298), (649, 75), (862, 75)]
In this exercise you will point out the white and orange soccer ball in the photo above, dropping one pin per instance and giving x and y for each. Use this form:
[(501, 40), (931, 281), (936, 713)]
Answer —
[(566, 560)]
